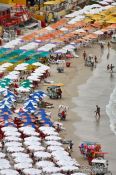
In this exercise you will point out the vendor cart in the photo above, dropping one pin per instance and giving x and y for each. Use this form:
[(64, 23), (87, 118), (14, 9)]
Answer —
[(54, 92), (100, 167), (60, 66)]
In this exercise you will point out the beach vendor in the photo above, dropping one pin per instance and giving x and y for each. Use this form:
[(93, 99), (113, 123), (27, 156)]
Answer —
[(59, 92), (84, 55), (98, 112)]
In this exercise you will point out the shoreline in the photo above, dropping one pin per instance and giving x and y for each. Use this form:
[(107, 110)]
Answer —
[(78, 74)]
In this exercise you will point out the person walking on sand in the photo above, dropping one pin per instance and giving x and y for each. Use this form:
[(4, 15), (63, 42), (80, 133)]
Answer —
[(84, 55), (108, 45), (111, 68), (98, 112), (108, 67), (95, 59)]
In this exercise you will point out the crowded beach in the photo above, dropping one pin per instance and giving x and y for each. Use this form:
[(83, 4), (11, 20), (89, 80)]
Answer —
[(34, 113)]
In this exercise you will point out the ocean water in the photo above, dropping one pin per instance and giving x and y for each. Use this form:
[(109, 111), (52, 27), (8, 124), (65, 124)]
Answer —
[(100, 89)]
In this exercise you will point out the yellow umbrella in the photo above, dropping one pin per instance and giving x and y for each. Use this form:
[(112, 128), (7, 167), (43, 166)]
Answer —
[(111, 21), (57, 84), (86, 20)]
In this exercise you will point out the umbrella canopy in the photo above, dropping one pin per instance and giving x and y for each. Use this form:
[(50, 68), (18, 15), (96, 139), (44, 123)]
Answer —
[(44, 163), (4, 164), (21, 166), (2, 155), (41, 154), (12, 138), (51, 170), (9, 172), (32, 171), (20, 154)]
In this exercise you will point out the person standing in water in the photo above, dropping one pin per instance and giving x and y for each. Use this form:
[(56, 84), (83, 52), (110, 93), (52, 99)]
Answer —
[(98, 112)]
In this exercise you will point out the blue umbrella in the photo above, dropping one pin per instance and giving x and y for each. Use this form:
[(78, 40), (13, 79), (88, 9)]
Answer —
[(5, 109), (9, 124), (30, 107), (5, 116), (9, 93)]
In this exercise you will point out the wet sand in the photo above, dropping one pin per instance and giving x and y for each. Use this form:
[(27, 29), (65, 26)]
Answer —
[(81, 124)]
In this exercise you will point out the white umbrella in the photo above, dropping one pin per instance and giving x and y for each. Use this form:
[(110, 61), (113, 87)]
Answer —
[(69, 168), (8, 128), (29, 143), (26, 128), (9, 172), (54, 148), (45, 163), (53, 143), (45, 128), (4, 164), (32, 171), (20, 154), (13, 144), (58, 174), (10, 133), (79, 174), (32, 139), (2, 155), (22, 89), (50, 133), (15, 149), (51, 170), (20, 166), (99, 32), (36, 148), (12, 138), (57, 152), (23, 160), (67, 163), (43, 155), (30, 133), (52, 138)]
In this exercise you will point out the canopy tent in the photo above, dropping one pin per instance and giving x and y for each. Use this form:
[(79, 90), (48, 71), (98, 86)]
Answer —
[(46, 47)]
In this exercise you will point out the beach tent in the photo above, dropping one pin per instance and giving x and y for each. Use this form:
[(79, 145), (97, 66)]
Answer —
[(46, 47)]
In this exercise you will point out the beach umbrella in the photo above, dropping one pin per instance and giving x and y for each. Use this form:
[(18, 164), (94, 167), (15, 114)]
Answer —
[(9, 172), (10, 133), (55, 143), (53, 138), (69, 169), (12, 139), (2, 155), (36, 147), (79, 174), (5, 109), (34, 143), (13, 129), (21, 160), (20, 154), (44, 163), (50, 170), (42, 155), (59, 174), (32, 139), (21, 166), (11, 144), (4, 164), (8, 93), (32, 171), (15, 149), (30, 107), (54, 148)]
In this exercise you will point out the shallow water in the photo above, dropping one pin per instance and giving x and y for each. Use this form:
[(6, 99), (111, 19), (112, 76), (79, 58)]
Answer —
[(97, 91)]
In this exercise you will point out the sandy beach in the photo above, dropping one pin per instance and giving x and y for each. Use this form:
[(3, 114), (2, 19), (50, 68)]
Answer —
[(81, 124)]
